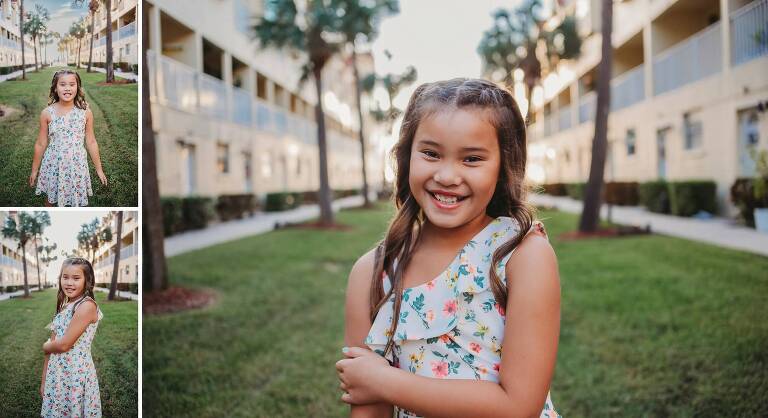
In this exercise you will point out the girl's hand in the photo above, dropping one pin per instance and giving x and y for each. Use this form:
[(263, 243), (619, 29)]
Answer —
[(102, 177), (32, 178), (358, 374)]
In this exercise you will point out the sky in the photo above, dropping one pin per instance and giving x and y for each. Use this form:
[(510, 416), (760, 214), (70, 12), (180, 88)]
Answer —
[(63, 231), (61, 12)]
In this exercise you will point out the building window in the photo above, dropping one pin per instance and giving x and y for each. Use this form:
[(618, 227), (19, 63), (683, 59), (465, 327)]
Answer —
[(692, 131), (630, 140), (222, 157), (266, 165)]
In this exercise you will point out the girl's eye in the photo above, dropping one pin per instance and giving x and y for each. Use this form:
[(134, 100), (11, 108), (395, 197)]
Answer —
[(430, 154), (473, 159)]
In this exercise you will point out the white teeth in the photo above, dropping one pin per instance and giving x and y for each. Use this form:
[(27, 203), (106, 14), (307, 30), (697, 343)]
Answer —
[(446, 199)]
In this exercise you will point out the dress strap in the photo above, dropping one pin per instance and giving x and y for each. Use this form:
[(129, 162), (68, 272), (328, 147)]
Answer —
[(50, 110)]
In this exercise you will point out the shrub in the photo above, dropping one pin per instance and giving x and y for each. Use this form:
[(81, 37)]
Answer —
[(575, 190), (172, 215), (234, 206), (621, 193), (196, 212), (654, 195), (686, 198), (135, 68), (743, 196), (283, 201)]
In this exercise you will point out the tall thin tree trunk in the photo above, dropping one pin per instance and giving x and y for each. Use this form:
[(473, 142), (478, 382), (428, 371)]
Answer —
[(154, 270), (590, 215), (110, 70), (366, 203), (21, 32), (90, 54), (24, 263), (326, 212), (116, 265), (79, 50), (34, 50), (530, 115), (37, 260)]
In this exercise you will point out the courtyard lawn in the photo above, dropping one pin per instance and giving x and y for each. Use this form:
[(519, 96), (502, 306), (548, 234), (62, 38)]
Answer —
[(652, 326), (114, 351), (115, 111)]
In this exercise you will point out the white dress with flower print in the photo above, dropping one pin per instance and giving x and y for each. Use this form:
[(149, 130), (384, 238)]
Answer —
[(451, 327), (63, 174), (71, 385)]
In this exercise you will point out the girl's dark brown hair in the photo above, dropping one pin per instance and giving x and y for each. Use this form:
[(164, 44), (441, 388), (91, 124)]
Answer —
[(53, 97), (509, 198), (90, 280)]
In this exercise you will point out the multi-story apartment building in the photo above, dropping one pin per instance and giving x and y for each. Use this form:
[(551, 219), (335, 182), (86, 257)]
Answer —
[(689, 77), (231, 118), (10, 38), (104, 259), (125, 33), (11, 260)]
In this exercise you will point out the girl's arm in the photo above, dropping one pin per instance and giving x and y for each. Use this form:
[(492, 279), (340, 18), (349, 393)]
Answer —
[(45, 368), (528, 355), (92, 146), (85, 315), (357, 323), (40, 145)]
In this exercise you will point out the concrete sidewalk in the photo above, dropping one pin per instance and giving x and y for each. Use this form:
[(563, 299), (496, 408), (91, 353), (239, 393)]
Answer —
[(258, 224), (15, 74), (7, 296), (120, 293), (127, 76), (718, 231)]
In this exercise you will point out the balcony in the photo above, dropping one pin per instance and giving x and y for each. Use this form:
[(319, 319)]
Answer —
[(564, 118), (628, 89), (749, 32), (691, 60), (127, 31), (587, 105), (178, 85)]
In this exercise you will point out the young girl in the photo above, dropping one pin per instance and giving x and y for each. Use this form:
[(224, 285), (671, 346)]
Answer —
[(458, 297), (64, 125), (69, 386)]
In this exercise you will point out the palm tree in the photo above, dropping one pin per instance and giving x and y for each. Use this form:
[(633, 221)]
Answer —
[(315, 32), (393, 84), (41, 219), (108, 64), (77, 30), (154, 269), (513, 40), (21, 33), (590, 215), (47, 250), (21, 231), (116, 265), (93, 7), (360, 24), (36, 26)]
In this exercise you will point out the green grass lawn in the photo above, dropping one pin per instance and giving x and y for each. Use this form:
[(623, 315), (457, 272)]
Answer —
[(115, 111), (114, 351), (652, 326)]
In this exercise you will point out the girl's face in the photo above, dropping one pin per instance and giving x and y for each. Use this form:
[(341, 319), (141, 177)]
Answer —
[(73, 281), (66, 87), (454, 166)]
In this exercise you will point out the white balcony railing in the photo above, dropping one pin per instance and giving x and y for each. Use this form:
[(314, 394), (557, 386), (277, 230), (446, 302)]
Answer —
[(628, 88), (549, 124), (691, 60), (749, 32), (587, 105), (564, 118), (127, 31), (178, 85)]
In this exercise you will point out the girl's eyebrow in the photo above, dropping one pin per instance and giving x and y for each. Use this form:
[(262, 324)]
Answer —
[(437, 145)]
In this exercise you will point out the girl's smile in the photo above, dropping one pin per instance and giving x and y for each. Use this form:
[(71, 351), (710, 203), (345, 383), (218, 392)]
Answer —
[(66, 87)]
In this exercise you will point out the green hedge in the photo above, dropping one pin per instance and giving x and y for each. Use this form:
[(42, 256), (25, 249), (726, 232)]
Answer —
[(621, 193), (654, 195), (235, 206), (743, 196), (687, 198), (123, 287), (182, 214), (283, 201), (575, 190)]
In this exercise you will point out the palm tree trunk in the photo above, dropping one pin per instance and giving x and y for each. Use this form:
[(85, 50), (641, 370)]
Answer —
[(590, 216), (530, 115), (326, 212), (110, 70), (24, 263), (21, 32), (79, 49), (154, 270), (116, 265), (34, 50), (37, 260), (366, 203), (90, 54)]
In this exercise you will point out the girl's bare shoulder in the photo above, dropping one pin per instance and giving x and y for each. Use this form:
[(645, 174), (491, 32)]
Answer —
[(362, 270)]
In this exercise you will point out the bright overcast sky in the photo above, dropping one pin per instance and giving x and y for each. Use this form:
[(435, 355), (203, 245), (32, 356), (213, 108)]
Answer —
[(63, 231), (62, 15)]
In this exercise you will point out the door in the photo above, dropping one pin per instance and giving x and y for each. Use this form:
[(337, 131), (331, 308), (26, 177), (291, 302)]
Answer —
[(749, 138), (188, 169), (661, 152), (248, 171)]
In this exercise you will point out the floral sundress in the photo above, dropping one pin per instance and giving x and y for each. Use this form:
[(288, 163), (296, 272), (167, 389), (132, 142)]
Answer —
[(71, 385), (451, 327), (63, 174)]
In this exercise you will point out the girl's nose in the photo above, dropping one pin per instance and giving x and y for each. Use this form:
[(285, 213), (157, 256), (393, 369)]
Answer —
[(447, 176)]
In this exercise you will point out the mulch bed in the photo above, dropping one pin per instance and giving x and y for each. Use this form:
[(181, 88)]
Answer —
[(6, 111), (176, 299), (621, 231), (120, 81)]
